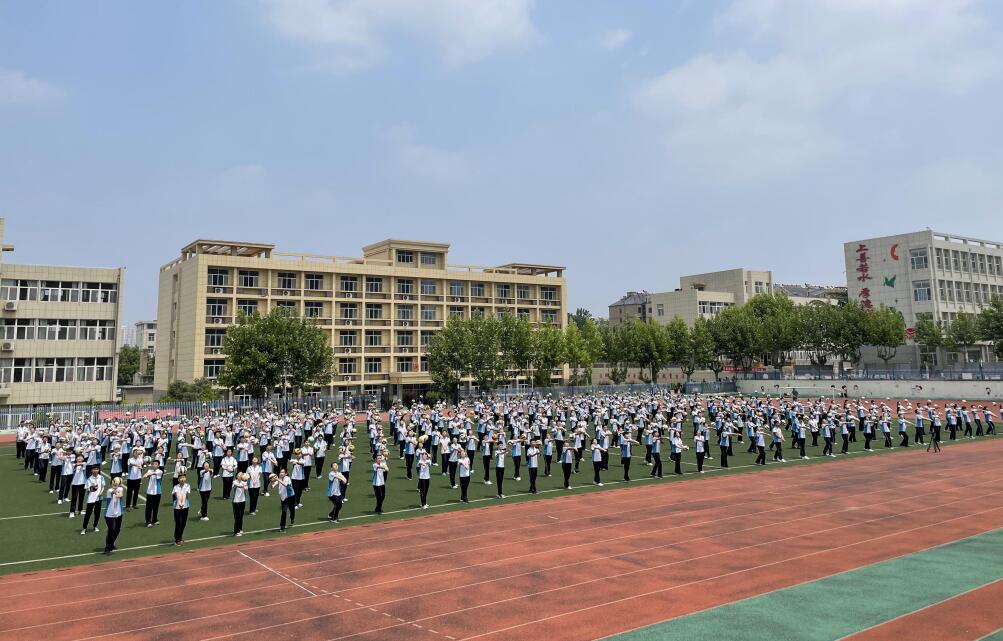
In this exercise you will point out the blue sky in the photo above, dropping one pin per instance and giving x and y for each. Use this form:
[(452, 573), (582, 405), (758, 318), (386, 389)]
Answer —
[(631, 141)]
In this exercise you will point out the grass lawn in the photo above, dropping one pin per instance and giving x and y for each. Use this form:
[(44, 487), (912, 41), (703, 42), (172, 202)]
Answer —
[(44, 537)]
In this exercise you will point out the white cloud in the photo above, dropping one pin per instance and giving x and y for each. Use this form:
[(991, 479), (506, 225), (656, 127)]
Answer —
[(767, 103), (17, 88), (615, 39), (424, 160), (352, 34)]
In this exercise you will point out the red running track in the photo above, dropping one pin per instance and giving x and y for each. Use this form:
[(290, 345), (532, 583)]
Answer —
[(566, 568)]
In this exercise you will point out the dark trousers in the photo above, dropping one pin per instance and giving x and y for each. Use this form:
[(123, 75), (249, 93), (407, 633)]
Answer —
[(76, 498), (724, 456), (43, 468), (180, 520), (288, 510), (19, 449), (677, 457), (114, 525), (778, 451), (152, 508), (846, 444), (409, 463), (464, 484), (532, 479), (452, 467), (596, 466), (566, 467), (827, 449), (423, 490), (700, 458), (95, 509), (380, 492), (254, 492), (238, 516), (548, 459), (487, 467), (298, 490), (204, 508), (888, 439), (228, 485), (867, 440), (499, 479), (132, 492), (56, 477), (656, 468), (625, 462), (905, 439), (761, 457), (336, 503)]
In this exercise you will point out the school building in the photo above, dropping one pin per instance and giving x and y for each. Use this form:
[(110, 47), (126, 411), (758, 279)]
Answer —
[(58, 342), (380, 310)]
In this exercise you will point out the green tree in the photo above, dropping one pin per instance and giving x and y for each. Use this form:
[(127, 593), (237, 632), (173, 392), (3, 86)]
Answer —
[(736, 335), (580, 317), (652, 348), (714, 328), (963, 332), (929, 335), (449, 356), (548, 353), (886, 331), (488, 362), (700, 353), (616, 350), (517, 343), (778, 328), (263, 352), (991, 324), (851, 332), (594, 348), (820, 328), (201, 389), (680, 347), (575, 351), (128, 364)]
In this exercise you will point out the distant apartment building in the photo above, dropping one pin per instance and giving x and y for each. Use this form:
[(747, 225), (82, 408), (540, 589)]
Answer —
[(380, 310), (698, 296), (58, 343), (926, 273), (146, 336), (808, 293)]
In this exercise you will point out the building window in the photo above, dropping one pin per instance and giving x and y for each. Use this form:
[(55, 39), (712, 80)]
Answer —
[(760, 287), (215, 307), (959, 295), (287, 280), (920, 290), (946, 291), (477, 289), (96, 330), (349, 283), (405, 339), (661, 309), (710, 308), (428, 288), (429, 259), (246, 307), (522, 313), (548, 293), (374, 311), (548, 316), (999, 265), (346, 338), (98, 293), (347, 365), (964, 262), (423, 363), (405, 286), (219, 277), (313, 309), (968, 291), (455, 312), (522, 292), (982, 263), (247, 278), (478, 312), (313, 282), (405, 364), (955, 260), (214, 337), (918, 258), (939, 253), (426, 337), (374, 284), (288, 306), (374, 338), (503, 291), (405, 312), (405, 257), (94, 369), (374, 365), (428, 312), (213, 368), (348, 310), (456, 288)]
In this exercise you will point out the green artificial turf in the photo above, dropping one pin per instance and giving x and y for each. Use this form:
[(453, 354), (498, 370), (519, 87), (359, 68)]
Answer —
[(53, 540), (844, 604)]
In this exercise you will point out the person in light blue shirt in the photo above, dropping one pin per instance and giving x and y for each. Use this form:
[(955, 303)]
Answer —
[(181, 493), (380, 470), (113, 514), (153, 477), (335, 482), (424, 477)]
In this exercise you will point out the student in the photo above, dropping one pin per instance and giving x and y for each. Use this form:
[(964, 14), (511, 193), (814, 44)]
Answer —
[(886, 431), (452, 456), (829, 436), (486, 447), (724, 442), (134, 477), (424, 477), (656, 455), (533, 464), (463, 466), (760, 446), (298, 475), (205, 489), (676, 448), (335, 482), (844, 434), (548, 454), (153, 478), (903, 432), (95, 490), (77, 480), (499, 457), (254, 476), (625, 452), (345, 458), (935, 434), (287, 497), (65, 483), (227, 469), (239, 502), (597, 452), (380, 469), (700, 447), (181, 493), (777, 445), (113, 514), (988, 415), (516, 454), (567, 463)]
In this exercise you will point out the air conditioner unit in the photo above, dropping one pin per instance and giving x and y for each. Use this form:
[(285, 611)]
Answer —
[(405, 297), (7, 346), (285, 292), (405, 324), (216, 350), (349, 322), (218, 320), (10, 306), (217, 290), (457, 299), (349, 295), (346, 378)]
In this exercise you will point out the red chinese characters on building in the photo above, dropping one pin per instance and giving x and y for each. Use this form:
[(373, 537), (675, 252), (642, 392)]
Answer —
[(863, 275)]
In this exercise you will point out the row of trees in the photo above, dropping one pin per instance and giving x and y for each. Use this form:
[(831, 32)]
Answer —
[(962, 333)]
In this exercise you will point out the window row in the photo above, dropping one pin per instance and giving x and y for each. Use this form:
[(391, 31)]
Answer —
[(967, 292), (55, 291), (55, 370), (374, 365), (967, 262), (45, 329)]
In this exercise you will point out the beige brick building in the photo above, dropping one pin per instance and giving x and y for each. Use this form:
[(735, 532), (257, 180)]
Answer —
[(380, 310), (58, 333)]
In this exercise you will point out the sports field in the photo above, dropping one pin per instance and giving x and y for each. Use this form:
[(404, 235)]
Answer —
[(866, 546)]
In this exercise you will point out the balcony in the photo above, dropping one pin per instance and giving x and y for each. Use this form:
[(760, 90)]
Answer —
[(320, 320), (318, 293), (349, 322), (218, 320), (281, 292), (377, 349), (219, 290), (479, 299), (432, 323), (504, 301), (403, 296), (453, 298), (252, 291), (431, 298), (377, 295), (347, 293), (405, 322), (347, 349)]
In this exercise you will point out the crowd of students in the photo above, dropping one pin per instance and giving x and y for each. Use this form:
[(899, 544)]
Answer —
[(106, 468)]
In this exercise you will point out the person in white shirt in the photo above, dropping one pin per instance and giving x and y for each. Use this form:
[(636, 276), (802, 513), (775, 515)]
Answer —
[(380, 469), (77, 480), (113, 514), (533, 464), (424, 477), (182, 491), (153, 477), (287, 497), (95, 489), (239, 502), (464, 468), (335, 482), (227, 468), (205, 477), (254, 476), (135, 475)]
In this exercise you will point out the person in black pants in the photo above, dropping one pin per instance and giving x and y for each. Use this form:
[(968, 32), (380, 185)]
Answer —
[(625, 453), (380, 469), (567, 463), (760, 447), (656, 455), (239, 502), (464, 467), (182, 491), (724, 441), (700, 445), (532, 464), (499, 456), (113, 514)]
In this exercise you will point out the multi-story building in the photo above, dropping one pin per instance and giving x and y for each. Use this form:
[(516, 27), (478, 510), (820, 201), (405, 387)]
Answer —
[(698, 296), (58, 342), (808, 293), (926, 273), (380, 310), (146, 336)]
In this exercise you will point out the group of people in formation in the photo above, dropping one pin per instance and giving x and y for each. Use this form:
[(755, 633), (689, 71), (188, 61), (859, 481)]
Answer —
[(105, 469)]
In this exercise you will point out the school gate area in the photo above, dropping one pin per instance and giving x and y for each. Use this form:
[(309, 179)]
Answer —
[(874, 547)]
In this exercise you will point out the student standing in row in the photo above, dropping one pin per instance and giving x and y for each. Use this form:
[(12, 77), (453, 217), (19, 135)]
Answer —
[(113, 514), (567, 463), (380, 469), (424, 477), (239, 502), (597, 452), (153, 478), (287, 497), (95, 490), (335, 481), (181, 492), (533, 464), (625, 453), (463, 466), (205, 489)]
